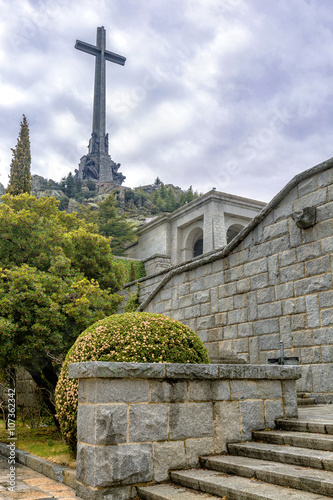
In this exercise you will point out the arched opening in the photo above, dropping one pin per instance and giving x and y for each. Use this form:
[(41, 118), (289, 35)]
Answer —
[(198, 247), (233, 231), (192, 238)]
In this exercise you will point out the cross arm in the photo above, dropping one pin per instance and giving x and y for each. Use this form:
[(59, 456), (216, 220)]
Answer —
[(93, 50), (86, 47), (116, 58)]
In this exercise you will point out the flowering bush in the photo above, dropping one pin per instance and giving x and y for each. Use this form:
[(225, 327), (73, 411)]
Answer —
[(133, 337)]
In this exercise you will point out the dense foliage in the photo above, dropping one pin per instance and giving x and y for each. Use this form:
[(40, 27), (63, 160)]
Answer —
[(157, 198), (133, 337), (131, 269), (20, 175), (111, 224), (116, 215), (132, 303), (146, 200), (57, 277)]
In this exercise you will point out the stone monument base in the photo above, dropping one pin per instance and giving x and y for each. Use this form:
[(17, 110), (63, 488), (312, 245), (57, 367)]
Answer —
[(99, 167)]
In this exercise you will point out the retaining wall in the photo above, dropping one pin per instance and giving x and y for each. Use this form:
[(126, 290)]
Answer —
[(272, 282), (136, 421)]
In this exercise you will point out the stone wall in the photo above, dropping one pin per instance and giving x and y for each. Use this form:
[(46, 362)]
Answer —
[(28, 396), (272, 282), (137, 421)]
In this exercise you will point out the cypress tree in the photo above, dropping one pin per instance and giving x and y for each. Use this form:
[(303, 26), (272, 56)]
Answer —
[(20, 174)]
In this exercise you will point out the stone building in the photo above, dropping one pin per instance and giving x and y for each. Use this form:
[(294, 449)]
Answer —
[(201, 226), (271, 283)]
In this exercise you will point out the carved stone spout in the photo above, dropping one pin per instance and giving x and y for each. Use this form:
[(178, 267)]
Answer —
[(305, 218)]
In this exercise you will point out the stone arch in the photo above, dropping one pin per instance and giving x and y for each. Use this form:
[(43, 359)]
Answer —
[(233, 230), (198, 247), (193, 241)]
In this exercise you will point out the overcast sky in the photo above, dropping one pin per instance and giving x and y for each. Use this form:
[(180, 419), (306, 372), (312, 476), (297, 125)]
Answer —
[(232, 94)]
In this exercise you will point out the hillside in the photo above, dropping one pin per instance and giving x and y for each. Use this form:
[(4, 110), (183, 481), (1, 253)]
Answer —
[(136, 204)]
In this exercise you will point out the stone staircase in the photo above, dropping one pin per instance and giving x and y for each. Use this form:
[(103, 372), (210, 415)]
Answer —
[(304, 399), (293, 462)]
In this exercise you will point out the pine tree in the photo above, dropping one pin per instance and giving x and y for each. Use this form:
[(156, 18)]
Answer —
[(163, 191), (111, 223), (171, 202), (132, 273), (20, 174), (189, 196)]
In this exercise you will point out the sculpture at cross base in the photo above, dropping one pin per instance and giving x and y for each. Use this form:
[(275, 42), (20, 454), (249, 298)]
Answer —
[(97, 164)]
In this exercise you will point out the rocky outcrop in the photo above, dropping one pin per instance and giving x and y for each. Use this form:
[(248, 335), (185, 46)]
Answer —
[(43, 187)]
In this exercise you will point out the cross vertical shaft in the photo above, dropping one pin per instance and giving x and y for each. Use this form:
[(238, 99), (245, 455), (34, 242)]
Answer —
[(97, 164), (98, 127), (98, 141)]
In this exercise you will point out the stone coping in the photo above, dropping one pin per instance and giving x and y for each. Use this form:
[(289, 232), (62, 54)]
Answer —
[(52, 470), (156, 256), (204, 199), (105, 369)]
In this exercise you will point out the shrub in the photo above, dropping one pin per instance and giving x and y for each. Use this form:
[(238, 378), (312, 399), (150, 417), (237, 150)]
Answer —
[(133, 337)]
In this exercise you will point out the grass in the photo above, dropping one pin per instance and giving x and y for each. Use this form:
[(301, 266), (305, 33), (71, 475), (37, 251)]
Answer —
[(45, 442)]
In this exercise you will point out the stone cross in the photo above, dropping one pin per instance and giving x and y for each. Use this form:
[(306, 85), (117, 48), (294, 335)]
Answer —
[(99, 141)]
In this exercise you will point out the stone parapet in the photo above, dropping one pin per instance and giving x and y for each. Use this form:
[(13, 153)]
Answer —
[(137, 421), (157, 263)]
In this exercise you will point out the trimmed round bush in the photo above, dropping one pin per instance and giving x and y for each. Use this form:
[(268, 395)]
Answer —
[(132, 337)]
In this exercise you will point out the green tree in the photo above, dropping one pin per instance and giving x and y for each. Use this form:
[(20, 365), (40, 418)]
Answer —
[(159, 202), (189, 195), (20, 174), (132, 273), (57, 277), (69, 187), (170, 202), (154, 196), (162, 191), (91, 185), (111, 224), (140, 197)]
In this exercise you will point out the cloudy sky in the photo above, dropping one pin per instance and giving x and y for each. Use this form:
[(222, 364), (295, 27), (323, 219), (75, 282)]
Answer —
[(232, 94)]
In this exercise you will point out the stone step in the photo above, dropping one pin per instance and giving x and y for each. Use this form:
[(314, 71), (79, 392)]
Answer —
[(236, 488), (285, 454), (293, 476), (305, 401), (304, 426), (169, 491), (294, 438)]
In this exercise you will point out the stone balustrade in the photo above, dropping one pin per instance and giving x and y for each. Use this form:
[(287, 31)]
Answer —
[(137, 421)]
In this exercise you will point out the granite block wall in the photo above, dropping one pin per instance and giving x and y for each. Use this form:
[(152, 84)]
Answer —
[(273, 282)]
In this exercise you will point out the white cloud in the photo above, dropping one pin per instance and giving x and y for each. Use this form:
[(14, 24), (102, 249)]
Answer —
[(228, 93)]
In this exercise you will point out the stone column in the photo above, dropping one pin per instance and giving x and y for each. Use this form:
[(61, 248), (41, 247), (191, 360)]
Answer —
[(214, 233)]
